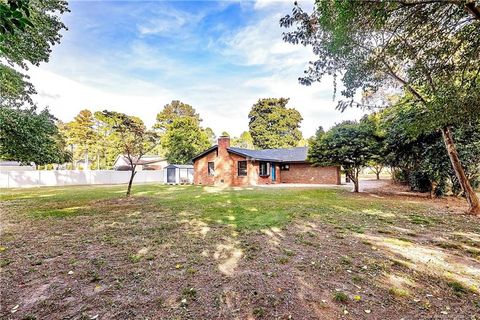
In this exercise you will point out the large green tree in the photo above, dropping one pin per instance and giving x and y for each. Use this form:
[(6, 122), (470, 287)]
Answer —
[(30, 42), (421, 160), (30, 136), (28, 30), (184, 139), (82, 135), (135, 140), (349, 144), (273, 125), (429, 48), (243, 141), (211, 135), (107, 143), (173, 110)]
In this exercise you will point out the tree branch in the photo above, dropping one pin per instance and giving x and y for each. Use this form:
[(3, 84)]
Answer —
[(472, 9), (405, 84)]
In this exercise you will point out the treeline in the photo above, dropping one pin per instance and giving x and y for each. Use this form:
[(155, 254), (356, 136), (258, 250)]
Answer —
[(90, 137)]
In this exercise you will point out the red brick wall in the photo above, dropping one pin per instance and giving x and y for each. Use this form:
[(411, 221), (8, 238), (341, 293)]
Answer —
[(200, 169), (226, 170), (306, 173)]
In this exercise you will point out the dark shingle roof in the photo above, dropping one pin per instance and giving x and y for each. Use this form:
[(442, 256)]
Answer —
[(279, 155)]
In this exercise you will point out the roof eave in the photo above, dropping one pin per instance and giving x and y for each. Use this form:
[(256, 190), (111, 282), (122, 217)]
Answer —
[(204, 153)]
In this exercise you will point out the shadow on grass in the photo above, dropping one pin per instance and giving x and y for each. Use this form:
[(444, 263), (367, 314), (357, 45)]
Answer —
[(433, 261)]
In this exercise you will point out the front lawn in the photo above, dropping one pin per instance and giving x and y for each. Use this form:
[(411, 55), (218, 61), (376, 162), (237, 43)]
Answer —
[(182, 252)]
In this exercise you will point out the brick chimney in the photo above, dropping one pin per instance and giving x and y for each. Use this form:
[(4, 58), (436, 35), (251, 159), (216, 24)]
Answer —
[(223, 142)]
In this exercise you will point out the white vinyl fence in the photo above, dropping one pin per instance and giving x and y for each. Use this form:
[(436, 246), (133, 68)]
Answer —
[(39, 178)]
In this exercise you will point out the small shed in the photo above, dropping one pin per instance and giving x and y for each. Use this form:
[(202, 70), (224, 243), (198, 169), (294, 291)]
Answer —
[(178, 174)]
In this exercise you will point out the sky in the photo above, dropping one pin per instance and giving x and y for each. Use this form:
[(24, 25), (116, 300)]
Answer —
[(218, 56)]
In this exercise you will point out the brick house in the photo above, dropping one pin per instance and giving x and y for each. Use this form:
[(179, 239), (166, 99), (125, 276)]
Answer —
[(230, 166)]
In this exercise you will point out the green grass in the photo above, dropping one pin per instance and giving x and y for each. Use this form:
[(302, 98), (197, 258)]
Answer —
[(192, 240), (340, 297), (249, 208)]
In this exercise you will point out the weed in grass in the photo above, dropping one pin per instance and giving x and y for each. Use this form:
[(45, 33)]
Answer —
[(189, 293), (98, 262), (457, 287), (289, 252), (398, 292), (258, 312), (250, 250), (357, 279), (340, 296), (84, 316), (399, 263), (94, 276), (345, 260), (5, 262), (29, 317), (384, 231), (355, 228), (160, 302), (448, 245), (36, 263), (191, 270), (134, 258), (475, 253), (283, 260), (150, 257), (416, 219)]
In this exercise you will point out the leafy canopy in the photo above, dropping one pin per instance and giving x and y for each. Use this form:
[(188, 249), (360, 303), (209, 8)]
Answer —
[(81, 133), (273, 125), (243, 141), (184, 139), (430, 48), (349, 144), (30, 136), (30, 42), (173, 110)]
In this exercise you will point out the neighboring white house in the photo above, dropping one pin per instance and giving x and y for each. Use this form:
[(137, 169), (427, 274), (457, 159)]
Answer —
[(147, 162), (15, 166), (178, 174)]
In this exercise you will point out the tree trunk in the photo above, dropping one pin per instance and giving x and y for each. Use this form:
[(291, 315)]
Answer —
[(131, 181), (354, 177), (470, 194), (85, 165), (378, 175), (355, 182)]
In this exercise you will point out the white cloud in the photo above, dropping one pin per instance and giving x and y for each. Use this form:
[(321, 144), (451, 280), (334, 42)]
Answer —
[(66, 97), (167, 20), (261, 44)]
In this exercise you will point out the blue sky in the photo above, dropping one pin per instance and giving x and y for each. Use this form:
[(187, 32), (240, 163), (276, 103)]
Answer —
[(219, 56)]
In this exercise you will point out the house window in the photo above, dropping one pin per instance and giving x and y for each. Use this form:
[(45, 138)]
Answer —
[(211, 169), (264, 169), (285, 167), (242, 168)]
